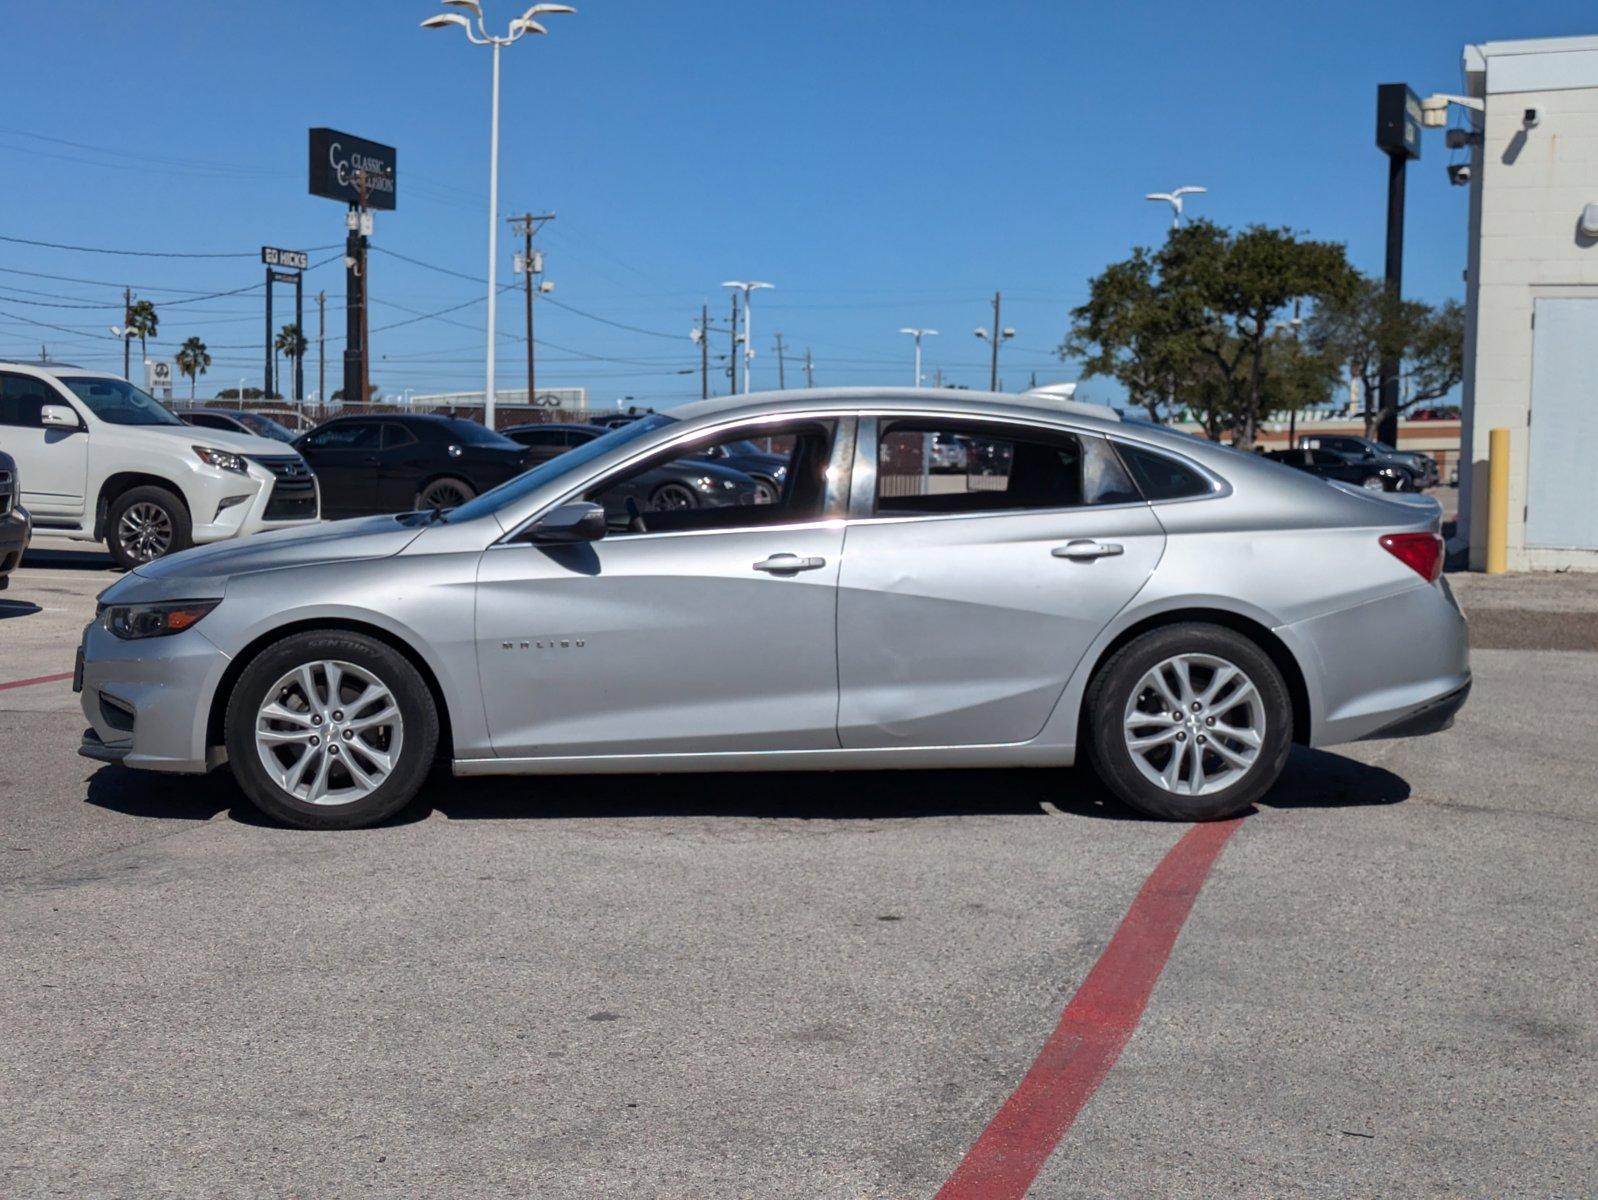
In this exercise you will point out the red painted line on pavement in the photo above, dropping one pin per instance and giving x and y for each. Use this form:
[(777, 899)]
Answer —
[(16, 683), (1096, 1025)]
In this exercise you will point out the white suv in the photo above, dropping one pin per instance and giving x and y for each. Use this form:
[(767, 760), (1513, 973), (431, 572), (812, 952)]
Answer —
[(101, 460)]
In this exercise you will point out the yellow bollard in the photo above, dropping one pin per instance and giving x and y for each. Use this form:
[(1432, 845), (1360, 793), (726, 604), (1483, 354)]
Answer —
[(1497, 501)]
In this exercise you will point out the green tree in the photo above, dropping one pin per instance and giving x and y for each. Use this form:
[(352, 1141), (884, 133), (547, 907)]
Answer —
[(193, 360), (143, 321), (1366, 326), (290, 343)]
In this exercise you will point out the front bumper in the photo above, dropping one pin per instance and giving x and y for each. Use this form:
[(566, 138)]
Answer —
[(16, 531), (148, 702), (239, 505)]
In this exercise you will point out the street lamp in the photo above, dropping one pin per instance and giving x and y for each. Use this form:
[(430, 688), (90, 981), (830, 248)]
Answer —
[(918, 334), (749, 329), (998, 337), (127, 336), (477, 33), (1174, 199)]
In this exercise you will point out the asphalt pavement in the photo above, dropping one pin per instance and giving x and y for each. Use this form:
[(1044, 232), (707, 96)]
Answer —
[(799, 985)]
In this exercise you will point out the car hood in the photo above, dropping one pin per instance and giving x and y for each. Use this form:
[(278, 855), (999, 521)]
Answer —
[(205, 570)]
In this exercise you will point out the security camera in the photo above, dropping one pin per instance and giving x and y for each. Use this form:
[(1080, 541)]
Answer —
[(1530, 118), (1459, 174)]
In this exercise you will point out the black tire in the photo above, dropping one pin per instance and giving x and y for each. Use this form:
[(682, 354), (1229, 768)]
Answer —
[(1112, 689), (147, 523), (438, 493), (672, 497), (418, 714)]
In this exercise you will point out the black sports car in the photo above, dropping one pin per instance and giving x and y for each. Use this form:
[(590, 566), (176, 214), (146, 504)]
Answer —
[(1328, 464), (237, 421), (382, 464), (695, 481)]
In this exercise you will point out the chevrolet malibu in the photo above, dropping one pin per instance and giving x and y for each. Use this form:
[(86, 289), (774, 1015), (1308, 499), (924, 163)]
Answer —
[(1175, 612)]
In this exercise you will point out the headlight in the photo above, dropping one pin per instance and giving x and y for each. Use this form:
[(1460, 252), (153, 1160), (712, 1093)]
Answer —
[(225, 459), (780, 474), (131, 622)]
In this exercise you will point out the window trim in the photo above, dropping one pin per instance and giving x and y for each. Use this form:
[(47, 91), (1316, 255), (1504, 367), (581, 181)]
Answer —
[(834, 503), (1219, 487)]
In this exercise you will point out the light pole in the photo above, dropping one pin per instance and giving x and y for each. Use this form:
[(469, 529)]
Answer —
[(478, 35), (753, 285), (918, 334), (127, 336), (999, 336), (1174, 199)]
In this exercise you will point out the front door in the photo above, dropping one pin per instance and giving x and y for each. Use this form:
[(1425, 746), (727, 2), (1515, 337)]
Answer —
[(52, 462), (344, 455), (699, 630), (978, 581)]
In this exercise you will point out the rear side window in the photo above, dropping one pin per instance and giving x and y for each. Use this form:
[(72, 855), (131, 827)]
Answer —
[(929, 468), (1162, 478)]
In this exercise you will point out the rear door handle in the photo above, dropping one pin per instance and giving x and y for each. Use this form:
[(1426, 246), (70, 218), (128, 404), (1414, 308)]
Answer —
[(1082, 549), (789, 564)]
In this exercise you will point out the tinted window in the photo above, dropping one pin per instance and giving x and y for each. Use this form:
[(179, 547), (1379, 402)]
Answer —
[(472, 434), (211, 421), (927, 468), (541, 437), (117, 402), (350, 435), (21, 398), (266, 427), (396, 435), (1161, 478)]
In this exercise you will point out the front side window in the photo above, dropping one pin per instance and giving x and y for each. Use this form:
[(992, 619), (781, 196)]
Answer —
[(940, 467), (351, 435), (694, 487), (118, 402), (21, 398)]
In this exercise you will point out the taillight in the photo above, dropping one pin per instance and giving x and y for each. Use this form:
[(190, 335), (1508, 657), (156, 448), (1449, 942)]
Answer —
[(1422, 553)]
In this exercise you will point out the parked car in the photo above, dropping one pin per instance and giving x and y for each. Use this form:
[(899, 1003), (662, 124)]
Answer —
[(15, 526), (237, 421), (101, 460), (709, 479), (1174, 613), (1422, 466), (382, 463), (1328, 464)]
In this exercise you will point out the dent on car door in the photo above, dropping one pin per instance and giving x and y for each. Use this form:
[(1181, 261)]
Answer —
[(967, 599), (707, 630)]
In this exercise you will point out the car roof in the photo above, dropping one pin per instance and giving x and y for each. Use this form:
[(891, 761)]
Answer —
[(54, 368), (950, 400), (567, 426)]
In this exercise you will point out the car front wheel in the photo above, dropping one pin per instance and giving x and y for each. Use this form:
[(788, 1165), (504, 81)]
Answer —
[(1191, 722), (146, 523), (331, 730), (444, 493)]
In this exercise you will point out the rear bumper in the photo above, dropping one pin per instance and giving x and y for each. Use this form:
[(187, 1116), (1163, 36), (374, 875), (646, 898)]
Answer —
[(1432, 717), (16, 530)]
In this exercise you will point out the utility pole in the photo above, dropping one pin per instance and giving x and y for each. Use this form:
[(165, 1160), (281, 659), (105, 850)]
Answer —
[(355, 367), (532, 265), (127, 342), (321, 349), (782, 379), (732, 359), (1000, 334), (810, 378), (704, 351)]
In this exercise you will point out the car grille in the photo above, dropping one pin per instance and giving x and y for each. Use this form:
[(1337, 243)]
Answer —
[(294, 491), (8, 496)]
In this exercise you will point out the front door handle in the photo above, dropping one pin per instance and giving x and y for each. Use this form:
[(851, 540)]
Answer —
[(789, 564), (1082, 549)]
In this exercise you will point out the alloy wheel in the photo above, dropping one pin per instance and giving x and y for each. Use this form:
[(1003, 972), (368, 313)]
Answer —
[(443, 495), (671, 496), (329, 732), (1194, 724), (145, 531)]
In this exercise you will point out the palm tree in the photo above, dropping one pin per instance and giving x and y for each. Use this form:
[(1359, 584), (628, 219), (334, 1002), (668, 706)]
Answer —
[(142, 321), (193, 360), (290, 343)]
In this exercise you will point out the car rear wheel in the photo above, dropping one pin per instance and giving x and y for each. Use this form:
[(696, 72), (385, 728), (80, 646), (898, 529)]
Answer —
[(669, 497), (1373, 483), (331, 730), (444, 493), (766, 491), (1191, 722), (146, 523)]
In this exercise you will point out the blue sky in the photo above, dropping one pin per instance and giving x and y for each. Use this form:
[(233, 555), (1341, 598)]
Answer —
[(885, 164)]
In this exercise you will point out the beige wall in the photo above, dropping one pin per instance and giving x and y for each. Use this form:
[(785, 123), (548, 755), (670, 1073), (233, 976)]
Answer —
[(1532, 186)]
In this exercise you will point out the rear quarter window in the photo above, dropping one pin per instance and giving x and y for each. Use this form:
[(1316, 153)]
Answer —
[(1161, 478)]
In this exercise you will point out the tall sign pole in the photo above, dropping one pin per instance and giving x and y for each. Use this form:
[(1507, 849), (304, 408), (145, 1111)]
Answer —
[(1398, 124)]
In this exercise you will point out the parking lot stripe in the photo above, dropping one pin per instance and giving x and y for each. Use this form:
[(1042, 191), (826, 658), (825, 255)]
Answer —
[(1096, 1025), (16, 683)]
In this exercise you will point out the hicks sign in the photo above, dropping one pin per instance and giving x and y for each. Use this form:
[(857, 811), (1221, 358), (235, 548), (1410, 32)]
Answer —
[(338, 163)]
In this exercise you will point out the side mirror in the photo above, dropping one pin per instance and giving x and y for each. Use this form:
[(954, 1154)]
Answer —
[(58, 416), (579, 521)]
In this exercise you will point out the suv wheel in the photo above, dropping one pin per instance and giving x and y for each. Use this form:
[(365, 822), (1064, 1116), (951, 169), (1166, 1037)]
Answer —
[(331, 731), (145, 523), (1191, 722)]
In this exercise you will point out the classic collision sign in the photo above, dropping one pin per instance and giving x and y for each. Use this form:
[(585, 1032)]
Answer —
[(338, 162)]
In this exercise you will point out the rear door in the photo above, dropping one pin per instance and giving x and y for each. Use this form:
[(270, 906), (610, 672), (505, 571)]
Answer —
[(53, 463), (968, 596), (402, 460)]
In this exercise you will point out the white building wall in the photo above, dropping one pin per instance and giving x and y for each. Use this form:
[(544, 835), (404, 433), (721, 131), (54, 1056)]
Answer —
[(1529, 186)]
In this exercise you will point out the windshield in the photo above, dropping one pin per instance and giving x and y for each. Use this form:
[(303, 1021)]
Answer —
[(117, 402), (266, 427), (474, 434), (574, 459)]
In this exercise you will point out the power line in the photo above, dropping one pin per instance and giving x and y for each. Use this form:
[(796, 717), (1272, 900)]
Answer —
[(142, 253)]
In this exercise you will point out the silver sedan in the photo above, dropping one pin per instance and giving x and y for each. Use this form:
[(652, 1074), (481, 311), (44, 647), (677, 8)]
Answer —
[(1176, 612)]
